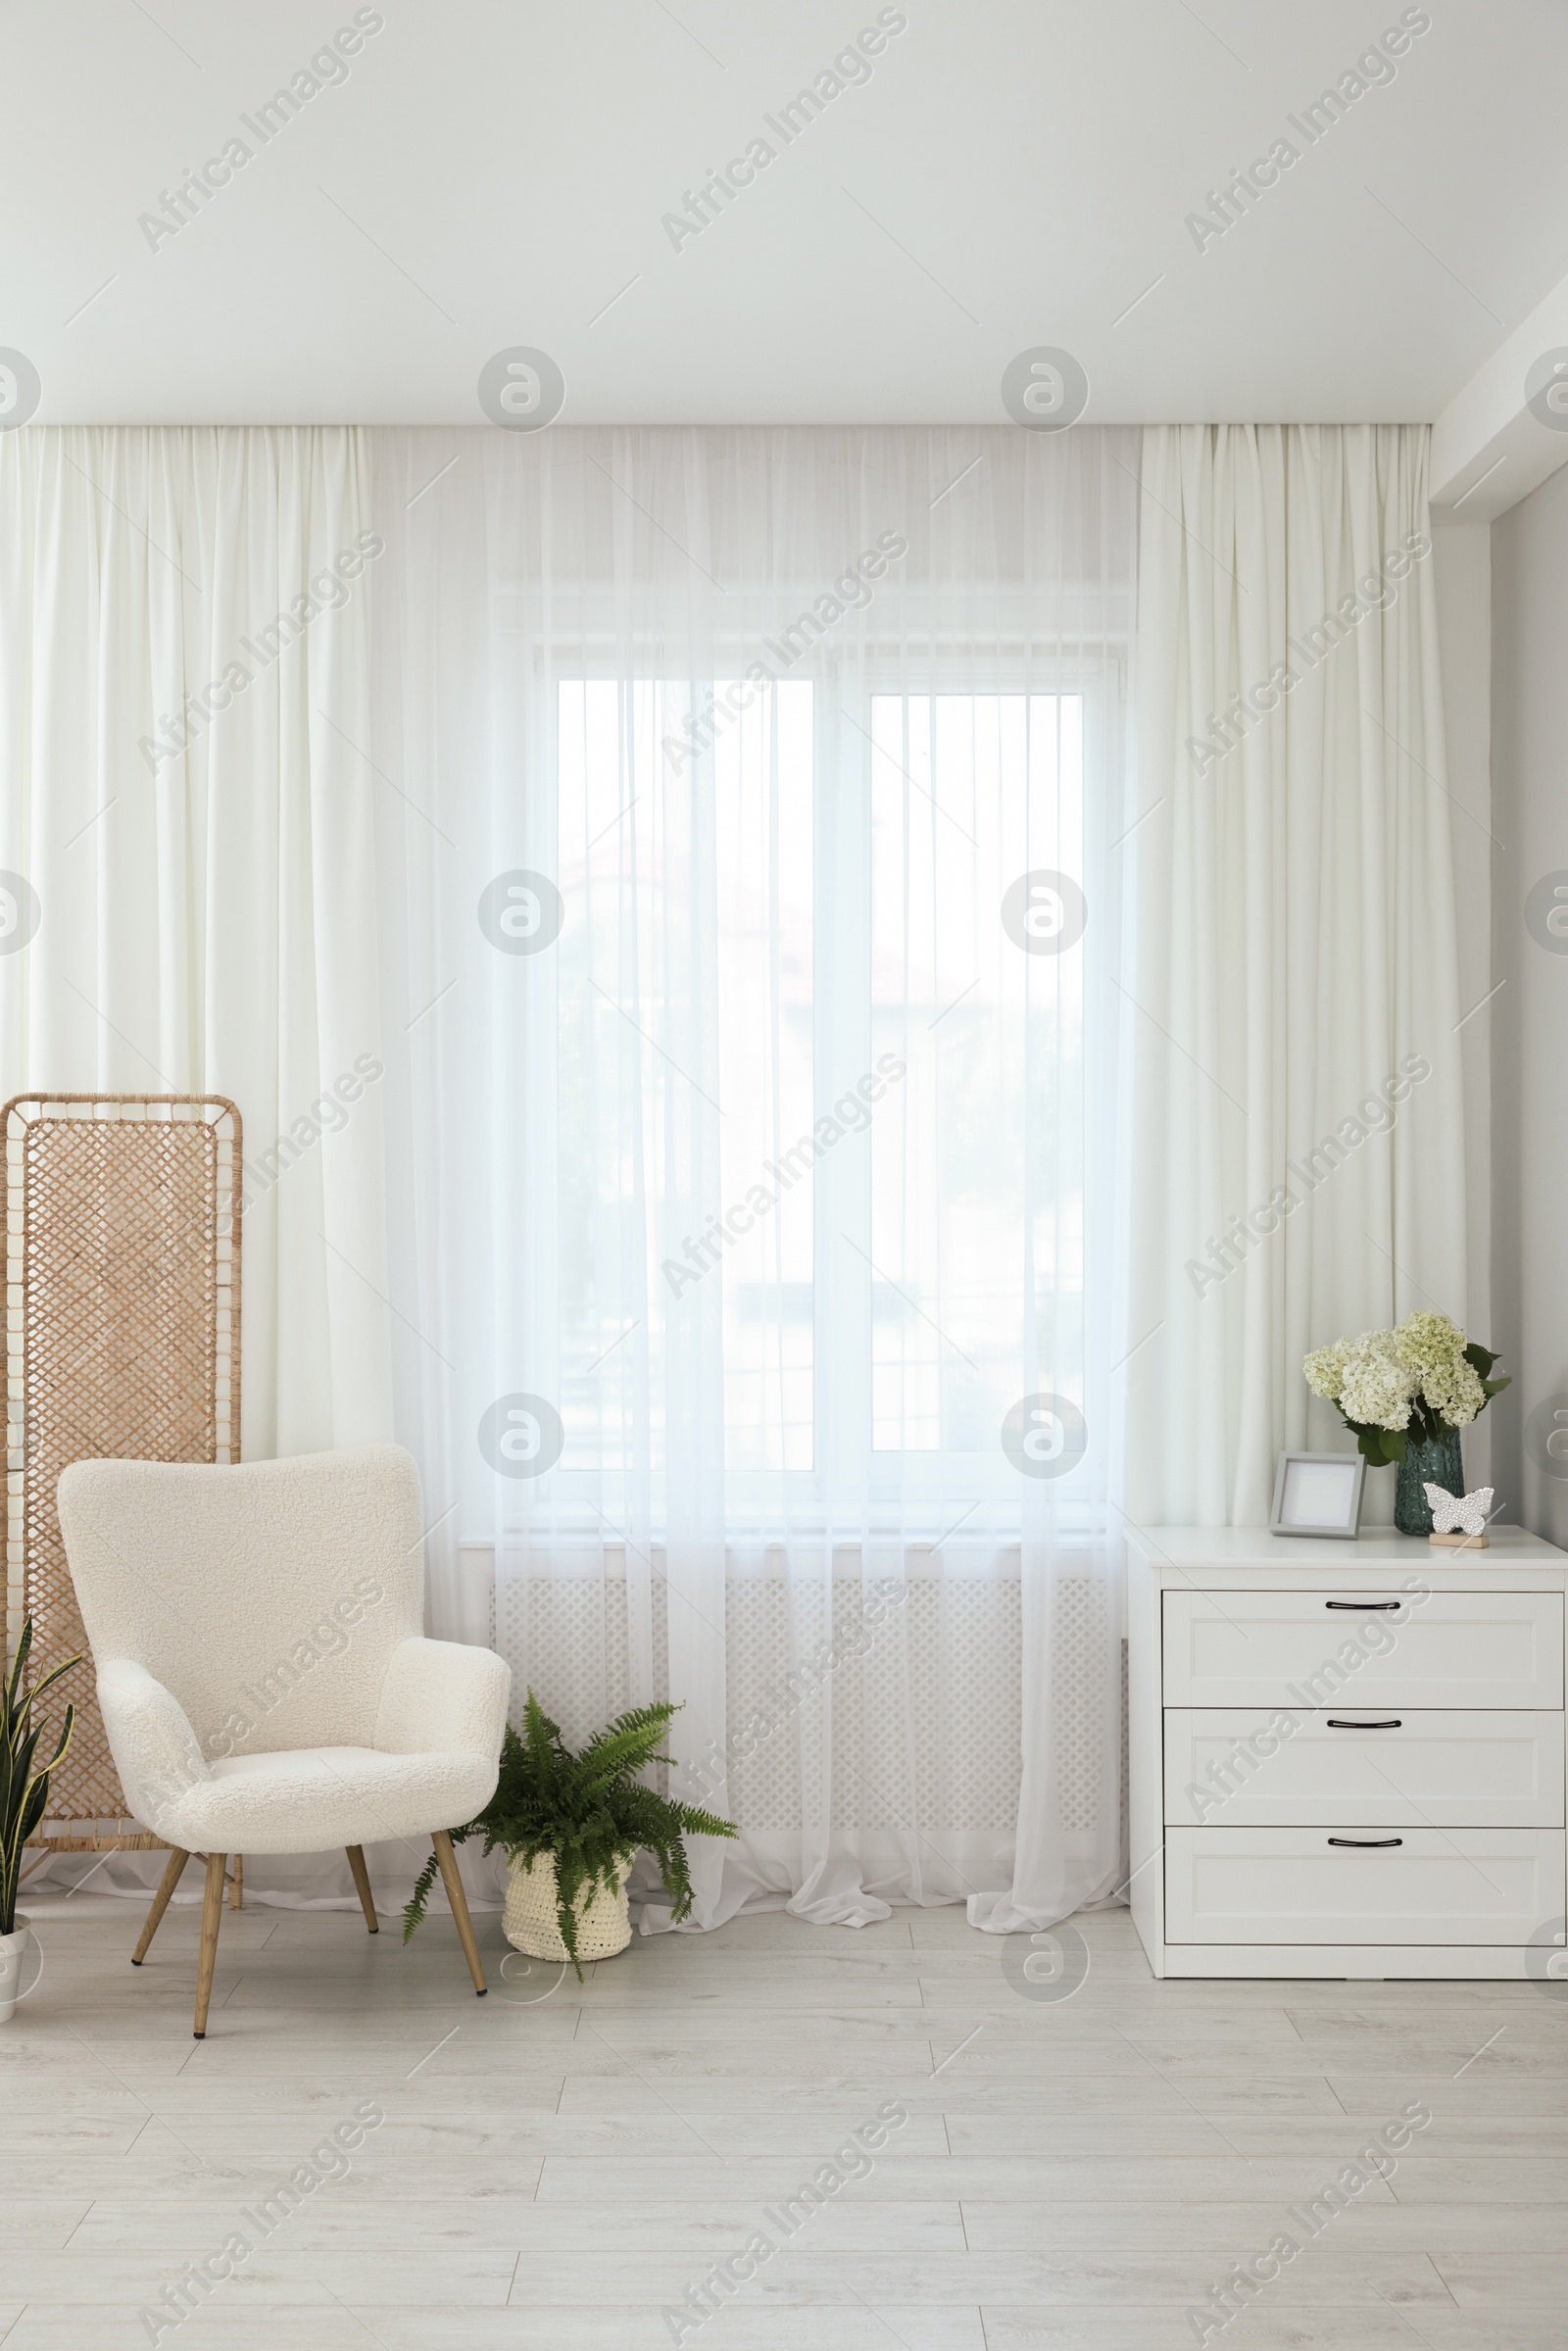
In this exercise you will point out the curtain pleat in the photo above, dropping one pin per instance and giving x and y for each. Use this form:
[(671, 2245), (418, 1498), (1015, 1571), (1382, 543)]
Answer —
[(1291, 1005)]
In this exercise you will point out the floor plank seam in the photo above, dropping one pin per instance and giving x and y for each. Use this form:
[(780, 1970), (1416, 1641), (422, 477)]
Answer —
[(1437, 2269), (76, 2224)]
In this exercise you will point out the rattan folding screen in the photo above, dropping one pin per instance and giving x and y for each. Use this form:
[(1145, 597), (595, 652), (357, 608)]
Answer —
[(123, 1307)]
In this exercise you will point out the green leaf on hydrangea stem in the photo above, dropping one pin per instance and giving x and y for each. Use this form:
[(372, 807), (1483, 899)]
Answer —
[(1377, 1446)]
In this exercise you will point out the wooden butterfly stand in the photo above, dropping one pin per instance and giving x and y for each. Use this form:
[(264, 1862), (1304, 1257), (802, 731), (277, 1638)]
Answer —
[(1462, 1519)]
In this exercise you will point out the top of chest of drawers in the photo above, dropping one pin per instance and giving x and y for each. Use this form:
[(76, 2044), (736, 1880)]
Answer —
[(1249, 1558)]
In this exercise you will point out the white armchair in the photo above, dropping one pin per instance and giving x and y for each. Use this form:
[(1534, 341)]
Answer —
[(263, 1671)]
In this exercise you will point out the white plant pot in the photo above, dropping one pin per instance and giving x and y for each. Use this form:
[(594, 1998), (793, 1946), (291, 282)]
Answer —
[(530, 1922), (12, 1947)]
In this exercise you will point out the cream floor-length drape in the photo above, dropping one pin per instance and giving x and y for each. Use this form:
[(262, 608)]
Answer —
[(1297, 1170), (185, 788), (186, 839)]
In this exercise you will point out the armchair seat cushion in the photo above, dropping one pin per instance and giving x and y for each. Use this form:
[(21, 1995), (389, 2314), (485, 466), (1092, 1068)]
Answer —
[(310, 1799)]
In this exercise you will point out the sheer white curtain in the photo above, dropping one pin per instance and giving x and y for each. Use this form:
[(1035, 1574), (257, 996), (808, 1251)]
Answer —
[(1296, 1169), (751, 826)]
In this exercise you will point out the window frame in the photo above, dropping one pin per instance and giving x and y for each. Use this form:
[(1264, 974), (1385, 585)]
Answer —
[(846, 1469)]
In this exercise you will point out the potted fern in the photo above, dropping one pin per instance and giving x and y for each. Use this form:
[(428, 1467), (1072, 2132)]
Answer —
[(24, 1794), (571, 1825)]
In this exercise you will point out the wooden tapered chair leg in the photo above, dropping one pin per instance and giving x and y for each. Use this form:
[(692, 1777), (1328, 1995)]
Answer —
[(448, 1861), (211, 1916), (161, 1900), (361, 1886)]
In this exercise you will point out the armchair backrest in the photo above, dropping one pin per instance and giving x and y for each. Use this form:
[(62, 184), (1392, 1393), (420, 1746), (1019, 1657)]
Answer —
[(269, 1597)]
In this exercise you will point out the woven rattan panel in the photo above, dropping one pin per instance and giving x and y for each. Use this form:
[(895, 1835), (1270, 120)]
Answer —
[(122, 1299)]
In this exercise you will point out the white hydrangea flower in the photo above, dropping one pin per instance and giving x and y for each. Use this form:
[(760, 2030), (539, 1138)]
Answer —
[(1430, 1343), (1454, 1393), (1377, 1387), (1326, 1370), (1378, 1377), (1432, 1347)]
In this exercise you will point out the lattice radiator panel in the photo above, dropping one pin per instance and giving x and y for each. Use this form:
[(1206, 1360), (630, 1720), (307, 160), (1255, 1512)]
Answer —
[(940, 1682)]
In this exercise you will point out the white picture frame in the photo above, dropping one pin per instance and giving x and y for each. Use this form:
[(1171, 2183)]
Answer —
[(1318, 1494)]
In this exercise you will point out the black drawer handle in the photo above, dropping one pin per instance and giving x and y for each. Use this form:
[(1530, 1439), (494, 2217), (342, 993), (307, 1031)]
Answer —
[(1367, 1844), (1394, 1725), (1395, 1604)]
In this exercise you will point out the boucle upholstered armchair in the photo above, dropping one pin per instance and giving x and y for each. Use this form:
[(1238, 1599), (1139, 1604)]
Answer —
[(262, 1668)]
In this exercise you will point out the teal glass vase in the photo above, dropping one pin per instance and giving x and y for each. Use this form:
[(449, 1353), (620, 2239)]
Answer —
[(1436, 1461)]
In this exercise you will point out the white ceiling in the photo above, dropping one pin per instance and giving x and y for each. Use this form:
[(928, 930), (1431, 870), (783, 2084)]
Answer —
[(1014, 175)]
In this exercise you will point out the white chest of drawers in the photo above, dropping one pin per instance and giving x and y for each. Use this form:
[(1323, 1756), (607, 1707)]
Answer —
[(1346, 1759)]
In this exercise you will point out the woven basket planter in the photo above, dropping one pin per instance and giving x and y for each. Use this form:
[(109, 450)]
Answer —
[(530, 1923)]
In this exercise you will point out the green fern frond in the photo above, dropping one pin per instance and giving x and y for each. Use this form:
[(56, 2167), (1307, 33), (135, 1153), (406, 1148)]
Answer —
[(414, 1910), (590, 1812)]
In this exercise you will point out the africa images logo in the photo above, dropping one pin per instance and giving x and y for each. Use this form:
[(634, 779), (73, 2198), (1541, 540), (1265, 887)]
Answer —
[(1045, 1435), (521, 1435)]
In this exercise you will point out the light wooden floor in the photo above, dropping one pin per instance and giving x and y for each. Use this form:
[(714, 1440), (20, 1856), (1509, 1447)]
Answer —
[(552, 2171)]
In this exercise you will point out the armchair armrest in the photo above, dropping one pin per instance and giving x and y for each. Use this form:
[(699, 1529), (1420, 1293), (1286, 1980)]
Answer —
[(154, 1750), (443, 1698)]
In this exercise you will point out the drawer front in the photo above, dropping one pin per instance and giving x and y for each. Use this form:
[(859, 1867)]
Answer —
[(1290, 1885), (1366, 1648), (1233, 1768)]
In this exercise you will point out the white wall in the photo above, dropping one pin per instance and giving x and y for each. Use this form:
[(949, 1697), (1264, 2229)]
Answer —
[(1530, 1013)]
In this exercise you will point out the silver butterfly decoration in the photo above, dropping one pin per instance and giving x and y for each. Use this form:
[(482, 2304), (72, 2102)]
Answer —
[(1466, 1514)]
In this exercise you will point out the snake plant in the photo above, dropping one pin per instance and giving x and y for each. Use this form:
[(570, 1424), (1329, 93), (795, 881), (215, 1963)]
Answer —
[(23, 1780)]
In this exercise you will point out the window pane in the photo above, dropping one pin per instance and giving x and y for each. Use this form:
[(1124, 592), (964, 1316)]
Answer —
[(763, 777), (976, 1186), (623, 846), (685, 960)]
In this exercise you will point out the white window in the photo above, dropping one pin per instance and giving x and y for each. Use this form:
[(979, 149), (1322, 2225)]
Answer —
[(818, 1087)]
